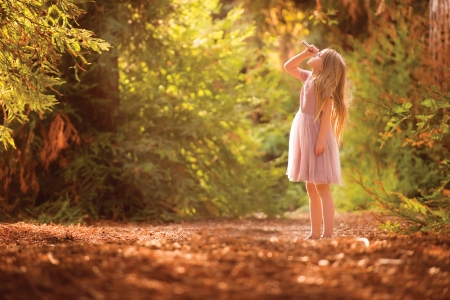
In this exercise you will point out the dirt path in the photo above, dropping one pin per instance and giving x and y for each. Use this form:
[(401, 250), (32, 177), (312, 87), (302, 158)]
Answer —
[(221, 259)]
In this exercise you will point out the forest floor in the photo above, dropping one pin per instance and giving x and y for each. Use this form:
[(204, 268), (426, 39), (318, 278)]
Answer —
[(221, 259)]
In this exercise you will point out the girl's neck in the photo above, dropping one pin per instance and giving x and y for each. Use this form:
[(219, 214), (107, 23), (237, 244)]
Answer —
[(315, 72)]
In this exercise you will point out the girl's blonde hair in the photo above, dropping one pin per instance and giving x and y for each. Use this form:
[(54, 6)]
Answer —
[(332, 81)]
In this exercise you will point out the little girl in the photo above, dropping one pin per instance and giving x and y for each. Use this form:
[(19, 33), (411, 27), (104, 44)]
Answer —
[(317, 131)]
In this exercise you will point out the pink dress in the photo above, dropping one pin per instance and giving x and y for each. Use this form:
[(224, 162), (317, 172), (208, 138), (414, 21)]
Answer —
[(303, 164)]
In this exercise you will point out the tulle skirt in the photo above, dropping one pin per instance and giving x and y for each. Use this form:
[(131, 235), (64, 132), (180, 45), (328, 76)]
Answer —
[(303, 164)]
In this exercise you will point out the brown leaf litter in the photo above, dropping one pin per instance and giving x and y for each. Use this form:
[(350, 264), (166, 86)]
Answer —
[(221, 259)]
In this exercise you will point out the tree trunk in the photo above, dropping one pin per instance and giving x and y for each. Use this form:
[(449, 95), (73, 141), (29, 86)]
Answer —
[(439, 41)]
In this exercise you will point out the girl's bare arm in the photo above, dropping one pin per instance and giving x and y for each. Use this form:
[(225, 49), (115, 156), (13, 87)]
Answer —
[(291, 66), (325, 122)]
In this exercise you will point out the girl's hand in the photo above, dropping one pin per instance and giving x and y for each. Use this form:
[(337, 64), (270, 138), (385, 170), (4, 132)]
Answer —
[(311, 50), (320, 147)]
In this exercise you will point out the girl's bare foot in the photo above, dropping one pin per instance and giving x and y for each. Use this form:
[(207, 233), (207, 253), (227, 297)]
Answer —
[(309, 237)]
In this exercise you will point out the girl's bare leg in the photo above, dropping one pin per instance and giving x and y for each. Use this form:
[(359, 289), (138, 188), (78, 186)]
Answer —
[(327, 209), (315, 210)]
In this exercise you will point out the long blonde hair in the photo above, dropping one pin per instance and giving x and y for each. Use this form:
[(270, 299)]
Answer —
[(332, 81)]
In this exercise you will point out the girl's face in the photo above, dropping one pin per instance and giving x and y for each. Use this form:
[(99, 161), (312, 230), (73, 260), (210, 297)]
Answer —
[(315, 61)]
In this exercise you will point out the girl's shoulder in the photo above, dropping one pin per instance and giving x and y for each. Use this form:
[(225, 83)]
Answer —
[(305, 74)]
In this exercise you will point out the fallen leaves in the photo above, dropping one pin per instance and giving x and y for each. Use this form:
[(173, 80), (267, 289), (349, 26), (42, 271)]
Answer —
[(220, 259)]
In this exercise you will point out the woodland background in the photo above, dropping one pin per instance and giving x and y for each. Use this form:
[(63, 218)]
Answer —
[(159, 110)]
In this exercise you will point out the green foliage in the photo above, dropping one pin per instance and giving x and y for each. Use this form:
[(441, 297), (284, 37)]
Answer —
[(194, 115), (390, 227), (274, 94), (179, 141), (398, 138), (60, 212), (33, 36), (377, 62), (405, 169), (188, 138), (430, 133)]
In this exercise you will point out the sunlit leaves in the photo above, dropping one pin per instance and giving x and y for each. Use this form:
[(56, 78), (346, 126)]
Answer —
[(430, 133), (33, 38), (5, 136), (188, 97)]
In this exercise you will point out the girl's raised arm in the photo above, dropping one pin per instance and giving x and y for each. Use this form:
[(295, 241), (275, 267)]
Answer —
[(291, 66)]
